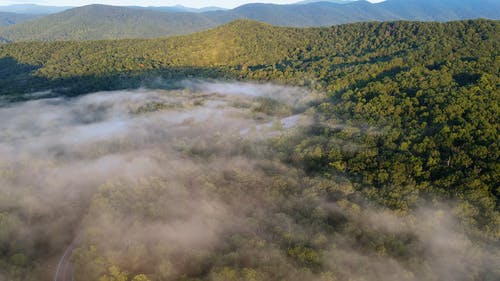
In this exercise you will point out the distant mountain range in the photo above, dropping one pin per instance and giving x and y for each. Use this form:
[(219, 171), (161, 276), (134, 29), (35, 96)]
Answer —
[(179, 9), (111, 22), (33, 9), (329, 1)]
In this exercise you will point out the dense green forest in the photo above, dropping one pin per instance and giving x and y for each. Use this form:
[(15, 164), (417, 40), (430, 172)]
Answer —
[(405, 121)]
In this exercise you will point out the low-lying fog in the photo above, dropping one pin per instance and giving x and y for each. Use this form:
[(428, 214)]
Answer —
[(159, 181), (55, 153)]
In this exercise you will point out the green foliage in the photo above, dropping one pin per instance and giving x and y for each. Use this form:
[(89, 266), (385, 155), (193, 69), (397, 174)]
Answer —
[(270, 106), (140, 277), (114, 274), (350, 55), (411, 116)]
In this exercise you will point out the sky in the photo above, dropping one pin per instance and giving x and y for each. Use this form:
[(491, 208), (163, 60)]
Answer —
[(188, 3)]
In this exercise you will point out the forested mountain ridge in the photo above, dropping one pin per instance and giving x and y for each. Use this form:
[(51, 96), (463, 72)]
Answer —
[(108, 22), (13, 18), (248, 43), (443, 9)]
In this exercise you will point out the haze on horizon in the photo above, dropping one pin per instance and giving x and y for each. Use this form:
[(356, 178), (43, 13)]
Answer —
[(187, 3)]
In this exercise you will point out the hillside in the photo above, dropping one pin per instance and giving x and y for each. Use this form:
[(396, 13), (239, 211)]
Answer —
[(314, 14), (442, 10), (324, 14), (13, 18), (241, 42), (107, 22)]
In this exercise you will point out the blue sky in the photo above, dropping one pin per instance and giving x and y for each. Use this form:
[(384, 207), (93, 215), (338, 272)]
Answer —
[(189, 3)]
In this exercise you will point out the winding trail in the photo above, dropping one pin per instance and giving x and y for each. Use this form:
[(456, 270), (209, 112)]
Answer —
[(65, 270)]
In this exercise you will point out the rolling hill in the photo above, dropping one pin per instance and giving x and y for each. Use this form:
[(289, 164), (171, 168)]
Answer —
[(442, 10), (324, 13), (108, 22), (13, 18), (313, 14)]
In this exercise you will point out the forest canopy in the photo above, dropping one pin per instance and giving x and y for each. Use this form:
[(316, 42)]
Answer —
[(396, 168)]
